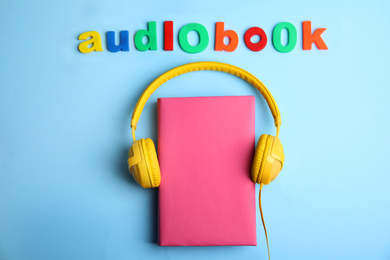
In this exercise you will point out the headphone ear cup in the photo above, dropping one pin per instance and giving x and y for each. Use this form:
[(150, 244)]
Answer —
[(258, 159), (143, 163), (137, 165), (268, 160), (273, 160), (152, 162)]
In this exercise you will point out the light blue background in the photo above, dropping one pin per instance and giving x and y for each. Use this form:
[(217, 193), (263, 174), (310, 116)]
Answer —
[(65, 192)]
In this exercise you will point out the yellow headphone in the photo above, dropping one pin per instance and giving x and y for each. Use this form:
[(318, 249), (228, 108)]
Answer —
[(269, 157)]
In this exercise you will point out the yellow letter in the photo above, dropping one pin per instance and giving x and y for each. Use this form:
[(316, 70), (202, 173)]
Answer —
[(95, 41)]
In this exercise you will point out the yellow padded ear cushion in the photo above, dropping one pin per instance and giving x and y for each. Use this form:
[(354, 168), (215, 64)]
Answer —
[(137, 164), (150, 155), (258, 158)]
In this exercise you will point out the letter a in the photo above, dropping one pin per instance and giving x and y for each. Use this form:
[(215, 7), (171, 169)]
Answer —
[(95, 41)]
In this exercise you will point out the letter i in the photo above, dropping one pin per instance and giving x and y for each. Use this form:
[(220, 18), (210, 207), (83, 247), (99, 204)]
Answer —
[(168, 36)]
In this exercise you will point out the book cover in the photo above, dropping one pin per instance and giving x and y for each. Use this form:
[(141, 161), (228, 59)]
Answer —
[(205, 150)]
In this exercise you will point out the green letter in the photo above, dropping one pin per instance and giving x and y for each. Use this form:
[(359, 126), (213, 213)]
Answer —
[(151, 33), (292, 37), (203, 38)]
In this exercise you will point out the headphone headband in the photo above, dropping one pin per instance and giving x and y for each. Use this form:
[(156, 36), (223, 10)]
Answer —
[(205, 65)]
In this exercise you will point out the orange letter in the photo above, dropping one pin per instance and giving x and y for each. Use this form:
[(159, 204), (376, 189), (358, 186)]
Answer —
[(308, 38), (220, 35)]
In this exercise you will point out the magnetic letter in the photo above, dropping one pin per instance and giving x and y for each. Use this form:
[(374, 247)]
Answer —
[(292, 37), (255, 46), (308, 38), (123, 41), (95, 41), (203, 38), (168, 36), (220, 35), (151, 33)]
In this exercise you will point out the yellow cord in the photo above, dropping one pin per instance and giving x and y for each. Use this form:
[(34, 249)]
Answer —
[(262, 219)]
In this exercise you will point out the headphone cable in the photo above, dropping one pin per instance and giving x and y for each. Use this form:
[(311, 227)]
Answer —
[(262, 219)]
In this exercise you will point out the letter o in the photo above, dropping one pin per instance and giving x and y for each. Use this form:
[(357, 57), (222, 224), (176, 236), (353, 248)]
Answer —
[(203, 38), (292, 37), (255, 46)]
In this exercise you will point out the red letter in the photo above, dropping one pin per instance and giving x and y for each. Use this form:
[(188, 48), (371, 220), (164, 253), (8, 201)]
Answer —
[(168, 36), (220, 34), (255, 46), (308, 38)]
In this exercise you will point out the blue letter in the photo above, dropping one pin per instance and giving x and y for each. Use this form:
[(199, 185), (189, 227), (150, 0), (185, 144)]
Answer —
[(123, 41)]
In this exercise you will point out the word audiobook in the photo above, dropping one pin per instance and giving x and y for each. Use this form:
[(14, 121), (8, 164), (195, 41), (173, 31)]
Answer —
[(91, 41)]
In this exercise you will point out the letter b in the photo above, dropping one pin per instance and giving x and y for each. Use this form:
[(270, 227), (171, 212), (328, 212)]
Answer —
[(220, 35)]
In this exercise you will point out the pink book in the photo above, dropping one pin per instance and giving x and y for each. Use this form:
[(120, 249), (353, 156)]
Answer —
[(205, 151)]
